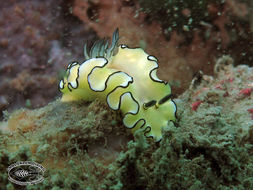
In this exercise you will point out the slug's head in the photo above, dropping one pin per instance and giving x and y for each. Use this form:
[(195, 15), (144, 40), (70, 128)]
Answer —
[(165, 106), (152, 116), (158, 114)]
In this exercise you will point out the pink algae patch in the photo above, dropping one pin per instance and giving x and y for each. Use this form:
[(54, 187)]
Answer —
[(195, 105), (251, 112), (246, 91)]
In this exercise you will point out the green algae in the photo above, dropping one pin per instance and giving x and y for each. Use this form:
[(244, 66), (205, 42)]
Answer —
[(182, 16), (85, 145)]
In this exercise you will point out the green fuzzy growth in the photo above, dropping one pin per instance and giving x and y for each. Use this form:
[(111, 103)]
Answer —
[(182, 16), (84, 145)]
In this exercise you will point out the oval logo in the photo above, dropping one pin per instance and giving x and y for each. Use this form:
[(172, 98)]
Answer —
[(26, 173)]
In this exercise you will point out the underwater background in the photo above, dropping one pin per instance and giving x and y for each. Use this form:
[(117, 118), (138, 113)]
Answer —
[(205, 52)]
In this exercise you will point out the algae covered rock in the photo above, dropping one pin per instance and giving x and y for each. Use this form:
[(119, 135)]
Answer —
[(85, 146)]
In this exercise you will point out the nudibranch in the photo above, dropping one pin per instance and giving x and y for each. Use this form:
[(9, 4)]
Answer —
[(126, 79)]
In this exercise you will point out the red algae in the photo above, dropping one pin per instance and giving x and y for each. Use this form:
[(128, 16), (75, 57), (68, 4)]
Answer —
[(251, 112), (87, 145), (195, 105), (84, 145), (246, 91)]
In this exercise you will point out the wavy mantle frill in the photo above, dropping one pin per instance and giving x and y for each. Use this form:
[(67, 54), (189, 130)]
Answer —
[(126, 79)]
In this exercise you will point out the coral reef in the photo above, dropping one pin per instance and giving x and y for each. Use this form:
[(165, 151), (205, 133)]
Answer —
[(62, 136), (137, 32), (223, 24), (35, 42), (38, 39), (186, 36), (84, 145), (182, 16)]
